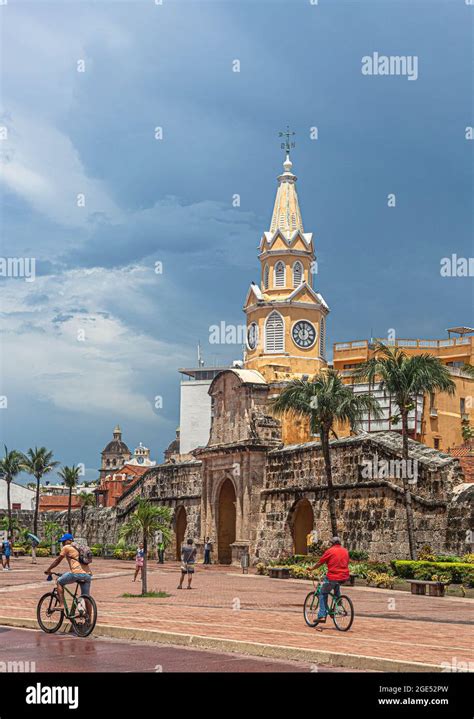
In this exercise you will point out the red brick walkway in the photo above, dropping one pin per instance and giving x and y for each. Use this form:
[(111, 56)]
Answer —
[(224, 603)]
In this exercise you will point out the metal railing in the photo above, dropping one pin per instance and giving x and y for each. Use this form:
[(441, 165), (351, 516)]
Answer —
[(422, 344)]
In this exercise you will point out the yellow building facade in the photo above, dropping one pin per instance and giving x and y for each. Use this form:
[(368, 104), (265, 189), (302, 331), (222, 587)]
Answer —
[(441, 416), (286, 316), (286, 331)]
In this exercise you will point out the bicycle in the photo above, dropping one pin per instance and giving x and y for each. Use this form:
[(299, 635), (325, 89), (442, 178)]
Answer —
[(340, 608), (82, 612)]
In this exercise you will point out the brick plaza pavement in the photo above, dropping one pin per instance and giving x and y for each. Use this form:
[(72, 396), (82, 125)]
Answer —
[(225, 604)]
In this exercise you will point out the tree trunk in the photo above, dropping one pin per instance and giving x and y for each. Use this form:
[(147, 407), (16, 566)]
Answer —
[(9, 507), (144, 569), (35, 518), (406, 488), (327, 466), (69, 510)]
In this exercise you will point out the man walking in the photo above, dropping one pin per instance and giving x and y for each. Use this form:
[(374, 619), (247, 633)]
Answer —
[(188, 558)]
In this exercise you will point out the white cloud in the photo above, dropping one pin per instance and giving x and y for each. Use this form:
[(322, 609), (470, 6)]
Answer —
[(41, 164), (45, 358)]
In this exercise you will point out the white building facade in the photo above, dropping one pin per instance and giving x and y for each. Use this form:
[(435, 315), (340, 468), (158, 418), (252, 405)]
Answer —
[(21, 497)]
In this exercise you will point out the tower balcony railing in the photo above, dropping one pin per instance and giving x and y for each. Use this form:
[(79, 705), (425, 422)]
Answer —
[(421, 344)]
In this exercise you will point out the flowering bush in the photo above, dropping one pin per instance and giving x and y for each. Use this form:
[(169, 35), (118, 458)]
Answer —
[(380, 579)]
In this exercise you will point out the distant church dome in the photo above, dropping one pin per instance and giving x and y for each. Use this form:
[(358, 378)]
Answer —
[(116, 445)]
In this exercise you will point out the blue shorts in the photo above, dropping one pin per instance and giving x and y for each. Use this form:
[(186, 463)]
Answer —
[(84, 579)]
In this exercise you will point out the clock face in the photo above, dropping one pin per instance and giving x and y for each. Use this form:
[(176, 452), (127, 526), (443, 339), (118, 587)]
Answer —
[(252, 336), (140, 460), (304, 334)]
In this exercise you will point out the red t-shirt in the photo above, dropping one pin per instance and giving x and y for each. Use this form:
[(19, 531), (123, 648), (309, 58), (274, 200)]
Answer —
[(337, 559)]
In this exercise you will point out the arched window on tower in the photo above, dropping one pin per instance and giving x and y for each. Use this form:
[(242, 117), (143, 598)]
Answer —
[(274, 333), (297, 274), (322, 338), (280, 274), (266, 276)]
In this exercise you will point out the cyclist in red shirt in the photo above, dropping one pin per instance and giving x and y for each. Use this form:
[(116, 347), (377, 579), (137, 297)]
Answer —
[(337, 560)]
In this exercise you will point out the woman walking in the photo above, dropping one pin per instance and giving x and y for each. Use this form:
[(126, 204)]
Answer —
[(7, 550), (139, 559)]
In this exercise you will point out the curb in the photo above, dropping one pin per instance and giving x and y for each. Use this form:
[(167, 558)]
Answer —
[(274, 651)]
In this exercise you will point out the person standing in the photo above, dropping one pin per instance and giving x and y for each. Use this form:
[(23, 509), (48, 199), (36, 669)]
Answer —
[(139, 560), (7, 551), (188, 559), (207, 551), (161, 552)]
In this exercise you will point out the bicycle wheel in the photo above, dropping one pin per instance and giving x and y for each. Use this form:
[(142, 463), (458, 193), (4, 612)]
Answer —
[(343, 613), (49, 620), (310, 609), (84, 623)]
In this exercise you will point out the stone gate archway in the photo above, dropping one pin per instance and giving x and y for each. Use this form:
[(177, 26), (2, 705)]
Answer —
[(226, 519), (180, 529), (303, 523)]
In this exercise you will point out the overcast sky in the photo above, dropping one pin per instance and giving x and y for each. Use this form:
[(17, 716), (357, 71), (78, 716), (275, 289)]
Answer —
[(100, 333)]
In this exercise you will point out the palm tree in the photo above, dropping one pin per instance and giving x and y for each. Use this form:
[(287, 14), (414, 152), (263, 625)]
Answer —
[(146, 521), (38, 462), (325, 400), (11, 526), (87, 499), (10, 467), (404, 378), (468, 368), (70, 476)]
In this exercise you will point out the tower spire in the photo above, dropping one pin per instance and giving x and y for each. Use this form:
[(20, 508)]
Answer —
[(286, 215)]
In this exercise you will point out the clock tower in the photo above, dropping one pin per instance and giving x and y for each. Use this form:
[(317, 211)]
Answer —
[(286, 316)]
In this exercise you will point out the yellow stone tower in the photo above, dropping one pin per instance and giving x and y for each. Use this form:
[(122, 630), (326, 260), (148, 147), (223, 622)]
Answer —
[(286, 316)]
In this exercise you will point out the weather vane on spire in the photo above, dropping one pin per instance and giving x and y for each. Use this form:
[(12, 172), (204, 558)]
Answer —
[(287, 145)]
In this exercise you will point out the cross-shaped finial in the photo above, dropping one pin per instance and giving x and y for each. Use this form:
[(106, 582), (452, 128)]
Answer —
[(287, 145)]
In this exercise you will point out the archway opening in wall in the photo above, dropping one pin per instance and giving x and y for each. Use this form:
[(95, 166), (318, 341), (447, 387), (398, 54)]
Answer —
[(181, 524), (303, 523), (226, 522)]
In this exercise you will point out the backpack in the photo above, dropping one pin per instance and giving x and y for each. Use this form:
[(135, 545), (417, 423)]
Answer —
[(85, 554)]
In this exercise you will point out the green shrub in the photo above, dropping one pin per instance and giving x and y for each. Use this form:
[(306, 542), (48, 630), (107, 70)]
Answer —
[(261, 568), (119, 553), (409, 569), (19, 550), (43, 552), (380, 567), (358, 555), (467, 577), (359, 568), (468, 558), (299, 572), (295, 559), (448, 558), (423, 573), (426, 554), (380, 579), (96, 550), (445, 578)]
